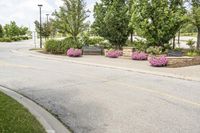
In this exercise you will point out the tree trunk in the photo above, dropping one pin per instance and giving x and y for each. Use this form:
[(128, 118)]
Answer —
[(174, 45), (131, 36), (179, 34), (198, 39)]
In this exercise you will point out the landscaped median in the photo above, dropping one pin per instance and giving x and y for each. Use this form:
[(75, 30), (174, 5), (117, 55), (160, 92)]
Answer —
[(14, 118), (157, 56)]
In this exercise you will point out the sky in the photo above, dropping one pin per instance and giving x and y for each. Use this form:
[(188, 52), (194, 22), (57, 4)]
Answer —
[(25, 12)]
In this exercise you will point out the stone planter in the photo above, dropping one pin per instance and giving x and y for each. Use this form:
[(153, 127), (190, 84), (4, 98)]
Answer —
[(128, 51), (105, 51)]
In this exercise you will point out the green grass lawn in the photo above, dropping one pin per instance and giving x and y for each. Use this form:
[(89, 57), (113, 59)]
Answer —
[(14, 118)]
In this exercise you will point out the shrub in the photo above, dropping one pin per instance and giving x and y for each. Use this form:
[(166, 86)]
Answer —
[(105, 44), (113, 54), (60, 46), (51, 46), (16, 38), (178, 49), (139, 45), (139, 56), (155, 50), (94, 40), (74, 52), (24, 37), (5, 39), (191, 43), (193, 53), (167, 46), (158, 61)]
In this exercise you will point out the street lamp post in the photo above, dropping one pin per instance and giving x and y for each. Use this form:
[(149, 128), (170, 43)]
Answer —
[(47, 18), (40, 7)]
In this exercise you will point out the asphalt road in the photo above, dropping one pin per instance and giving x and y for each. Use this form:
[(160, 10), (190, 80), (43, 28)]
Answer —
[(91, 99)]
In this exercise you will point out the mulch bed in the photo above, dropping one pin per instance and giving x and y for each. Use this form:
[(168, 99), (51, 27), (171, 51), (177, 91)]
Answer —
[(175, 63)]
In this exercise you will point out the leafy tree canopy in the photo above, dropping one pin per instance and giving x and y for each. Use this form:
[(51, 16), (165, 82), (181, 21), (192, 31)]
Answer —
[(1, 31), (111, 21), (194, 17), (12, 30), (158, 20), (70, 19)]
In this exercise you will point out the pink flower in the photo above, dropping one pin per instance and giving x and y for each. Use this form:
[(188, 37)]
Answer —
[(120, 53), (139, 56), (114, 53), (74, 52), (158, 61)]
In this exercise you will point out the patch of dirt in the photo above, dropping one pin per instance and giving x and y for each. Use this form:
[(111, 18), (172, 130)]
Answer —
[(175, 63)]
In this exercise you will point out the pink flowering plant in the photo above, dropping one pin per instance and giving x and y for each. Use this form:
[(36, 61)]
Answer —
[(120, 52), (158, 61), (74, 52), (139, 56), (113, 54)]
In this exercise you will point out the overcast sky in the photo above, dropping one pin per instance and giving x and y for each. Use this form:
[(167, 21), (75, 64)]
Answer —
[(25, 12)]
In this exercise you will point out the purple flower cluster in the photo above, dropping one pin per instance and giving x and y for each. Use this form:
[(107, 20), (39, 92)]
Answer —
[(74, 52), (158, 61), (113, 54), (139, 56)]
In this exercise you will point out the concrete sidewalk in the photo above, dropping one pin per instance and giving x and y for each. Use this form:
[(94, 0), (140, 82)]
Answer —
[(187, 73)]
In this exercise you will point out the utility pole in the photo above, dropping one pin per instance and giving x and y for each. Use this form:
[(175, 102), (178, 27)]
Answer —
[(40, 7)]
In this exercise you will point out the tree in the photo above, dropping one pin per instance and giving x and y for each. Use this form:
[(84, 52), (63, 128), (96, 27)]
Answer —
[(7, 30), (23, 30), (1, 31), (111, 21), (70, 19), (158, 21), (11, 30), (14, 29), (46, 29), (195, 18), (189, 28), (131, 27)]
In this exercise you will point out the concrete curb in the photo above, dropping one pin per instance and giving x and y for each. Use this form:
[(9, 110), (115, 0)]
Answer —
[(36, 54), (48, 121)]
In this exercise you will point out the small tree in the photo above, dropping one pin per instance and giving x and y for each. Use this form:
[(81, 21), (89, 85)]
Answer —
[(1, 31), (46, 29), (11, 29), (14, 29), (158, 20), (195, 18), (23, 30), (70, 19), (111, 21)]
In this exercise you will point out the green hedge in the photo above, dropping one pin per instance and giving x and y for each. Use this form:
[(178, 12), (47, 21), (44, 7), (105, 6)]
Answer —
[(93, 40), (13, 39), (5, 39), (60, 46)]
